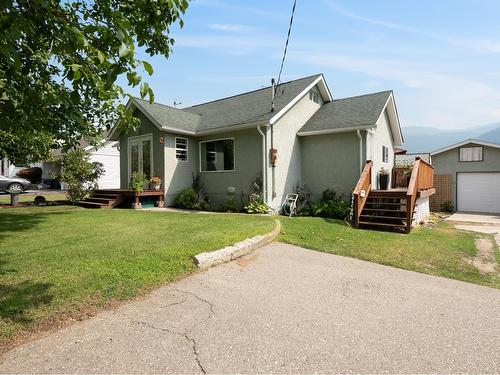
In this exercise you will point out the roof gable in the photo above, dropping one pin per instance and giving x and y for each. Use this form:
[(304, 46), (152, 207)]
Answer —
[(466, 142), (348, 113)]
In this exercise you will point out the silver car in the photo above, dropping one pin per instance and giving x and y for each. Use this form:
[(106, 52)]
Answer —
[(14, 184)]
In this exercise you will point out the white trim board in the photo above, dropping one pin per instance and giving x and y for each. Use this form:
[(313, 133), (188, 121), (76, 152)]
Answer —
[(466, 142)]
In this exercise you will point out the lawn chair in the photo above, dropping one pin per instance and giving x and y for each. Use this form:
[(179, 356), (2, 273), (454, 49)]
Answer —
[(289, 206)]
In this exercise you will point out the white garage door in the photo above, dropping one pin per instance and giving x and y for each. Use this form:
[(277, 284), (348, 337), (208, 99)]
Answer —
[(478, 192)]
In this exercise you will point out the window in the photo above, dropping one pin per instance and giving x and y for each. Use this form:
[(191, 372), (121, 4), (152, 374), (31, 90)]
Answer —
[(471, 154), (181, 149), (217, 155), (385, 154), (314, 96)]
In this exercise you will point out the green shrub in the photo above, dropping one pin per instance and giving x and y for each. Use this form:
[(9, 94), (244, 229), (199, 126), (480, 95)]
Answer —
[(255, 207), (79, 174), (331, 206), (137, 182), (187, 198), (447, 207), (201, 206), (229, 204)]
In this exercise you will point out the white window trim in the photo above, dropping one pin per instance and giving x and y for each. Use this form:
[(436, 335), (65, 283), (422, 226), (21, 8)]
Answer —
[(186, 149), (470, 161), (145, 136), (215, 140), (384, 147)]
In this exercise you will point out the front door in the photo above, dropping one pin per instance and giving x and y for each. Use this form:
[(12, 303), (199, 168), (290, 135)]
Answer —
[(141, 155)]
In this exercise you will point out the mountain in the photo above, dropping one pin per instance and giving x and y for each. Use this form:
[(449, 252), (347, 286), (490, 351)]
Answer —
[(427, 139), (491, 136)]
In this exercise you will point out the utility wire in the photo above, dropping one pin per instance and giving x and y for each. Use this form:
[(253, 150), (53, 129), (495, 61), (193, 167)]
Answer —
[(286, 44)]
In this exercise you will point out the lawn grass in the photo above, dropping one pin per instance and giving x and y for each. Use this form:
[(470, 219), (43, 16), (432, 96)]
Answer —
[(439, 250), (55, 262), (28, 197)]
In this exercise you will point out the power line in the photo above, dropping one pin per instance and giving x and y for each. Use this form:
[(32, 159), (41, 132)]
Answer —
[(286, 44)]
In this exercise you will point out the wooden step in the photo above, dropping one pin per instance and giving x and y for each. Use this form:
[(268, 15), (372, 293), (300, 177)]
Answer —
[(106, 201), (383, 210), (387, 225), (88, 204), (378, 217), (386, 203), (101, 195)]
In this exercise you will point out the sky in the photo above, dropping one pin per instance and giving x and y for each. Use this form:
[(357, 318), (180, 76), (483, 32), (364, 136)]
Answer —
[(441, 58)]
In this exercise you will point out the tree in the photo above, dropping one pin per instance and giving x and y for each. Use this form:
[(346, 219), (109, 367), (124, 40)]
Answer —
[(59, 65), (79, 174)]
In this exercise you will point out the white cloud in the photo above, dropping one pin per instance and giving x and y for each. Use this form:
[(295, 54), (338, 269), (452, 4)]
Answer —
[(231, 27), (428, 96)]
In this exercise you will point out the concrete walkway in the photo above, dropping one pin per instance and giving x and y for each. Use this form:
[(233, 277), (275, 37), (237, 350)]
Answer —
[(284, 310), (475, 218)]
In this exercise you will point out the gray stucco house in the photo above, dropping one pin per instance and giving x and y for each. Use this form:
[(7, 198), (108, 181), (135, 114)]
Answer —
[(309, 138), (468, 175)]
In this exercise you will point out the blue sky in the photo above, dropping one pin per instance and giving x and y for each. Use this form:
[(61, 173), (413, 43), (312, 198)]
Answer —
[(441, 58)]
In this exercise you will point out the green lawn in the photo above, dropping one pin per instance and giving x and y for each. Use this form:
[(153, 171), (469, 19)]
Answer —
[(439, 250), (28, 197), (57, 262)]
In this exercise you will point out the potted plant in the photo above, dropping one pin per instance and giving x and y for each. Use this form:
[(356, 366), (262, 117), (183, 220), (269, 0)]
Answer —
[(383, 179), (137, 182), (156, 182)]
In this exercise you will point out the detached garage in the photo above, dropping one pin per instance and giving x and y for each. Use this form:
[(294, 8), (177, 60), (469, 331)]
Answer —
[(468, 176)]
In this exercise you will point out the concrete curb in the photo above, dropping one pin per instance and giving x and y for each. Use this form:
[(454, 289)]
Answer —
[(226, 254)]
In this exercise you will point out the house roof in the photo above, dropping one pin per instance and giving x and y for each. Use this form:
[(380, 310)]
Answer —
[(348, 113), (243, 109), (467, 141), (253, 106)]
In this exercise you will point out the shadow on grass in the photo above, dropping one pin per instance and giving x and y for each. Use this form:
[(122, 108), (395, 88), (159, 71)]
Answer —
[(18, 299), (17, 222)]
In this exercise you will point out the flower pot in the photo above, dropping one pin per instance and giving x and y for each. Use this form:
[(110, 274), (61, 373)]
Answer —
[(136, 206), (383, 181), (156, 187), (161, 204)]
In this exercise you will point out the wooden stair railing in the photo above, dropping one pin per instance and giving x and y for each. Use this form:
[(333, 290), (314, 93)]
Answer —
[(422, 178), (361, 191)]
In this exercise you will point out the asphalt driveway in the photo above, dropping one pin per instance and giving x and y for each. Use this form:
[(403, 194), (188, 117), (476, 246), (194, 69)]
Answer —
[(284, 310)]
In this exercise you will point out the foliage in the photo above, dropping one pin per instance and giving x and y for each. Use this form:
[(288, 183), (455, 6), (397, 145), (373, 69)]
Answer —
[(137, 182), (197, 186), (331, 206), (99, 257), (155, 180), (202, 205), (187, 198), (304, 193), (229, 204), (79, 174), (255, 207), (447, 207), (34, 174), (383, 171), (59, 66)]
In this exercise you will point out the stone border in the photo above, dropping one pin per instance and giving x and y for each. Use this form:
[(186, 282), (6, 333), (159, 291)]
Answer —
[(226, 254)]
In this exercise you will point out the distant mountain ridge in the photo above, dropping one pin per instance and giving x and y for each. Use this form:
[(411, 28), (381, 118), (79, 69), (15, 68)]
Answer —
[(428, 139)]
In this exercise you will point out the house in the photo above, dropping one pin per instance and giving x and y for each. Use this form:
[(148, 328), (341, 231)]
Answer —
[(468, 176), (307, 138), (106, 153)]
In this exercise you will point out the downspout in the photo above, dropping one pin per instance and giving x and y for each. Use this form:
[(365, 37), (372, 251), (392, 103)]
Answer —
[(358, 133), (264, 169)]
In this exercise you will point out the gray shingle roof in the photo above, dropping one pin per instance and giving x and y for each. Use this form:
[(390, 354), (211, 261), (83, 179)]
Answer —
[(169, 117), (248, 107), (253, 106), (351, 112)]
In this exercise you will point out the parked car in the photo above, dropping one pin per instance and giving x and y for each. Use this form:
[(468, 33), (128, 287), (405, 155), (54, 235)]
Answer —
[(14, 183)]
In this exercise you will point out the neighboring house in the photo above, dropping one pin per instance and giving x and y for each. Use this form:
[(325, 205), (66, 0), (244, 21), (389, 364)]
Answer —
[(309, 138), (106, 153), (468, 175)]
